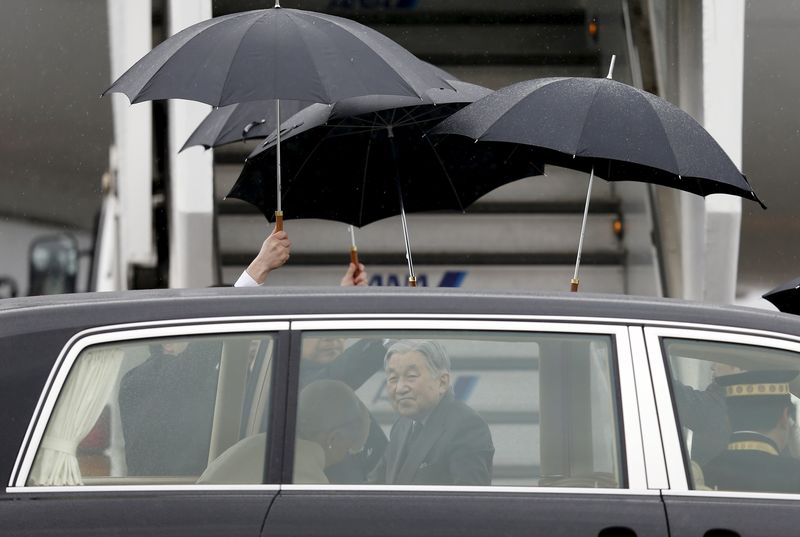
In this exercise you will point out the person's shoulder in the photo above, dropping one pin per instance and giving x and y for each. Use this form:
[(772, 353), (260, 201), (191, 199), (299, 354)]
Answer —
[(141, 372), (789, 464), (461, 413)]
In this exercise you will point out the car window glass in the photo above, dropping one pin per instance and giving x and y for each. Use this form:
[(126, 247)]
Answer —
[(160, 411), (457, 408), (736, 413)]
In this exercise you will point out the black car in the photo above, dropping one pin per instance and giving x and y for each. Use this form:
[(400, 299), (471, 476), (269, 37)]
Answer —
[(393, 412)]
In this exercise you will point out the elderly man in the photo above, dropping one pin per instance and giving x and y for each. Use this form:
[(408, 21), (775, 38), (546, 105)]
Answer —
[(436, 440)]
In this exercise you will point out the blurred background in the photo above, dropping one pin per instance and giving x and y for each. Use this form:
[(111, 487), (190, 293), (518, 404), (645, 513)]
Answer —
[(66, 170)]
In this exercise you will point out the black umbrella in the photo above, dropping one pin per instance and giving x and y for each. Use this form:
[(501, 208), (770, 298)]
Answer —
[(255, 119), (239, 122), (276, 53), (610, 129), (365, 159), (786, 297)]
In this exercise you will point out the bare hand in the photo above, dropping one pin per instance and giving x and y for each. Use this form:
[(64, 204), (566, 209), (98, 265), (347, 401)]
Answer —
[(273, 254), (351, 278)]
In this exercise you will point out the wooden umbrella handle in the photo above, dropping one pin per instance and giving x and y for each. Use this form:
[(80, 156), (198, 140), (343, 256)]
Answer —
[(412, 281), (354, 260), (573, 285), (278, 220)]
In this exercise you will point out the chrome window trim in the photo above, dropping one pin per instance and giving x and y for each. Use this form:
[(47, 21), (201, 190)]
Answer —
[(141, 488), (468, 490), (96, 336), (446, 323), (331, 488), (648, 417), (628, 421), (670, 434), (655, 323), (731, 494)]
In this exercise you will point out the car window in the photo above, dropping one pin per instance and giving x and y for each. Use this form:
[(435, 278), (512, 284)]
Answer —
[(457, 408), (736, 413), (159, 411)]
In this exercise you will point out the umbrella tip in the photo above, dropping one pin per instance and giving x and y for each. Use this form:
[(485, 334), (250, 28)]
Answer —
[(611, 68), (277, 3)]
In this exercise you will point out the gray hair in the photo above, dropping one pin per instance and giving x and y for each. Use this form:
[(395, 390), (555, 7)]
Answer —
[(433, 351)]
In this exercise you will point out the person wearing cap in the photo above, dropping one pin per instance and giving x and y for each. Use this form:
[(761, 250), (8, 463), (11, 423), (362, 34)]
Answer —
[(760, 413)]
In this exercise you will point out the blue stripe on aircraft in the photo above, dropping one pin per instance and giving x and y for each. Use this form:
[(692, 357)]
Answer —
[(453, 278)]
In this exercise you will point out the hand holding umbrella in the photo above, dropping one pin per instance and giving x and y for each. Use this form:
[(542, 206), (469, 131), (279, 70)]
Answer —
[(273, 254), (353, 250), (356, 273)]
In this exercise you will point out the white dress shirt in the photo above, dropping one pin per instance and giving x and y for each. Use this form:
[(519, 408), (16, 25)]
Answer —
[(245, 280)]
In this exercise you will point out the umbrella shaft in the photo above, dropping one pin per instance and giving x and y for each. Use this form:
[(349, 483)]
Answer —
[(278, 150), (412, 279), (583, 224), (411, 275)]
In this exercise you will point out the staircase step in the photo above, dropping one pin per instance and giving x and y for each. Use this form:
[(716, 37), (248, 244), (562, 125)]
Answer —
[(479, 44)]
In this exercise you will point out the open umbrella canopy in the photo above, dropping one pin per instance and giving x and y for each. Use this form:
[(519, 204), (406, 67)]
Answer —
[(350, 162), (257, 119), (238, 122), (786, 297), (606, 128), (276, 53), (623, 133)]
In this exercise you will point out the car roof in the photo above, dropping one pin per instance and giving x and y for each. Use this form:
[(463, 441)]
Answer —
[(97, 309)]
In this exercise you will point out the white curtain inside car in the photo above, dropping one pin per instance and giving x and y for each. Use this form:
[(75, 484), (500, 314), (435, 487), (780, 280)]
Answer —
[(85, 394)]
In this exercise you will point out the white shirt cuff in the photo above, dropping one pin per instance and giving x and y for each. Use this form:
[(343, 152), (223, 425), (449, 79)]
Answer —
[(245, 280)]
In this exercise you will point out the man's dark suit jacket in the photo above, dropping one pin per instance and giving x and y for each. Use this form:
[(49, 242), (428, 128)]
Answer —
[(453, 448)]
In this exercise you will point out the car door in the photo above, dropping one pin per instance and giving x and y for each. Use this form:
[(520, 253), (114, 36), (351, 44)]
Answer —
[(689, 366), (557, 399), (155, 430)]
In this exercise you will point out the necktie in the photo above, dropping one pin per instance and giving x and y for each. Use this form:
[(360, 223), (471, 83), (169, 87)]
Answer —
[(416, 428)]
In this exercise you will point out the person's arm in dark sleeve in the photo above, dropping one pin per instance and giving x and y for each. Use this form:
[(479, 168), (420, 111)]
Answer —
[(699, 409), (356, 364)]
